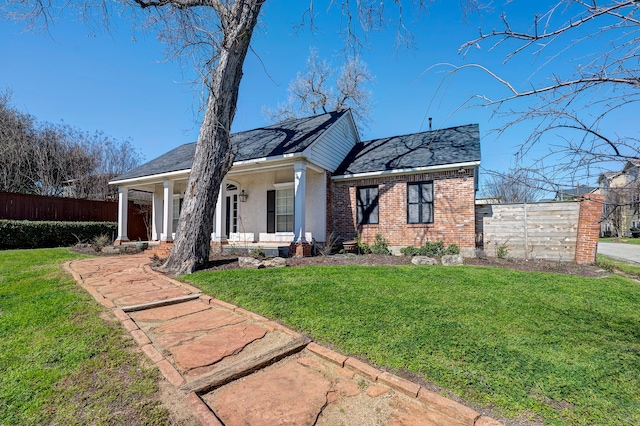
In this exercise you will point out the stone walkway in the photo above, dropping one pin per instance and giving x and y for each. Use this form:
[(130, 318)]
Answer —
[(235, 367)]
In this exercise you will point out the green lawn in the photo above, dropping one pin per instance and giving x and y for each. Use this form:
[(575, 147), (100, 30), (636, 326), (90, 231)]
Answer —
[(60, 362), (620, 240), (613, 264), (562, 348)]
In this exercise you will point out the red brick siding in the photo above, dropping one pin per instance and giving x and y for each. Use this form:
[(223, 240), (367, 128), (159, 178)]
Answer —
[(454, 210), (589, 228)]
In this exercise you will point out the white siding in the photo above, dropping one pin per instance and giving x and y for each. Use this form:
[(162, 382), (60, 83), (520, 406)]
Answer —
[(334, 144), (253, 212)]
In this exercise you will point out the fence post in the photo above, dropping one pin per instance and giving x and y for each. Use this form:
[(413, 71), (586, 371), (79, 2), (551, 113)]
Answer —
[(589, 228)]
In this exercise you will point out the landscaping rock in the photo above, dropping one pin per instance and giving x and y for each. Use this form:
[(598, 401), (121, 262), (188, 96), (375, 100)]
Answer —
[(452, 259), (468, 252), (110, 250), (423, 260), (276, 262), (249, 262)]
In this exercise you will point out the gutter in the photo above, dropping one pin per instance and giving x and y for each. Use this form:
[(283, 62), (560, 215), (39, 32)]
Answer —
[(442, 167)]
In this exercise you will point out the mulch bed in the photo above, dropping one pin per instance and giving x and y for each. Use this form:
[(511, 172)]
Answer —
[(224, 262), (218, 262)]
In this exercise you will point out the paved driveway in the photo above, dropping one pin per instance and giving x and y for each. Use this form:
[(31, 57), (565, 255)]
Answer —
[(626, 252)]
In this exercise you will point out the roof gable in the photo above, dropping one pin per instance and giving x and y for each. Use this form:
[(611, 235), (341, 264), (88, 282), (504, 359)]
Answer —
[(454, 145)]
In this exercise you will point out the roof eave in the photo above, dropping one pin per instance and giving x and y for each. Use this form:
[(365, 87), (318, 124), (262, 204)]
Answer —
[(442, 167)]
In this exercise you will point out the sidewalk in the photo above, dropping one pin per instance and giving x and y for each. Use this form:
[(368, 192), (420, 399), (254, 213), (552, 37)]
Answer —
[(235, 367)]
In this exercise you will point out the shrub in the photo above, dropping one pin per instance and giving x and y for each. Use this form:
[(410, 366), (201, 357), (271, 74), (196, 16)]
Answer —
[(435, 249), (258, 252), (452, 249), (25, 234), (410, 251), (503, 251), (363, 248), (100, 241), (380, 245)]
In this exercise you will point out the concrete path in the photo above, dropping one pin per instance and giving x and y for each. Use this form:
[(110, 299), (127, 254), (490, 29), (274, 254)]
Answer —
[(235, 367), (629, 253)]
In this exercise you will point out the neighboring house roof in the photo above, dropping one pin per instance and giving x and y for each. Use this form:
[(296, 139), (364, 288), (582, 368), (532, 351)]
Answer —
[(574, 192), (455, 145), (288, 137)]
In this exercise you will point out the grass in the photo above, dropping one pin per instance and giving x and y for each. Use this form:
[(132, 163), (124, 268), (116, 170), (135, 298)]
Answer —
[(60, 362), (611, 264), (563, 349), (620, 240)]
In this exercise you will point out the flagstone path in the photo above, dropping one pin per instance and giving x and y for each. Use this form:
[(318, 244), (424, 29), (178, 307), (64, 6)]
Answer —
[(235, 367)]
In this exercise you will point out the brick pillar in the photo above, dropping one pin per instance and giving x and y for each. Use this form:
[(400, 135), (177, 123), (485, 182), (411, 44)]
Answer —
[(589, 228), (300, 249)]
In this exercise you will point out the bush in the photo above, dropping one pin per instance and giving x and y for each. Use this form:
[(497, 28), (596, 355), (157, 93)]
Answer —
[(410, 251), (503, 251), (257, 252), (363, 248), (25, 234), (435, 249), (100, 241), (380, 245), (452, 249)]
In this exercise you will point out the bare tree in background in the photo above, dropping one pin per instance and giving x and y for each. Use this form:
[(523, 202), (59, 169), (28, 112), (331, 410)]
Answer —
[(598, 42), (517, 185), (319, 90), (58, 159), (215, 35)]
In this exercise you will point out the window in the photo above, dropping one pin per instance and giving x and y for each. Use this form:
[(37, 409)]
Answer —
[(420, 202), (367, 204), (284, 210), (177, 206)]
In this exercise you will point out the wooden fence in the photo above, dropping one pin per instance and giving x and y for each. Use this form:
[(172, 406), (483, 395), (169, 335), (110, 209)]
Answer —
[(37, 207), (547, 230)]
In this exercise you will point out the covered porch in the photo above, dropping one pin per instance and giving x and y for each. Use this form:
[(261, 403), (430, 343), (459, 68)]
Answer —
[(266, 205)]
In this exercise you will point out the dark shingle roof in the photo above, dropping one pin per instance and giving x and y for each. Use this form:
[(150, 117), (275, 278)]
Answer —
[(437, 147), (288, 137)]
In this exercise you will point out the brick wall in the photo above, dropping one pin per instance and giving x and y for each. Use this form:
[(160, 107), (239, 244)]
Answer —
[(589, 228), (454, 210)]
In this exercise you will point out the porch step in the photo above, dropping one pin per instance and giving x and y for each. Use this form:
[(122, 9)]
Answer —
[(162, 250)]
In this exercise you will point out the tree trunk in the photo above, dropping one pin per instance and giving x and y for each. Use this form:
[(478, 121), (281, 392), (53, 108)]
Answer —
[(214, 155)]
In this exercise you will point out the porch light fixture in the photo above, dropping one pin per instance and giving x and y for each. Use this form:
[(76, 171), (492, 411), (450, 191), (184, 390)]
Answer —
[(243, 196)]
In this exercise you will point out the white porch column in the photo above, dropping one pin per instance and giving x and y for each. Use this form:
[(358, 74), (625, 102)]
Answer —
[(123, 209), (300, 201), (167, 214), (156, 215), (218, 225)]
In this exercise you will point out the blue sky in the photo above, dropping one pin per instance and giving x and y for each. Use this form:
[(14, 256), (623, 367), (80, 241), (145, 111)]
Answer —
[(109, 82)]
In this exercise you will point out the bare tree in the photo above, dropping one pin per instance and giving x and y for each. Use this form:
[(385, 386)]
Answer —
[(51, 159), (16, 140), (319, 90), (517, 185), (597, 42), (215, 34)]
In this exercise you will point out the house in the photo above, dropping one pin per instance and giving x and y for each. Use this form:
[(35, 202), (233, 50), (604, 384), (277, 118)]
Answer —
[(621, 209), (300, 181), (573, 193)]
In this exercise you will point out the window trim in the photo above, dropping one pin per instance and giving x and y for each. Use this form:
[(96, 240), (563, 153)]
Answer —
[(376, 200), (421, 203)]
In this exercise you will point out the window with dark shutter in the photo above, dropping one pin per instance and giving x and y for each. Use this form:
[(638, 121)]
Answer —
[(420, 202), (367, 204)]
